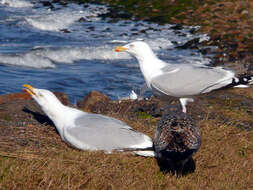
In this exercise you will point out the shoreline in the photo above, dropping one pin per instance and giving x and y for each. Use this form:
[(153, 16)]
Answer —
[(228, 23)]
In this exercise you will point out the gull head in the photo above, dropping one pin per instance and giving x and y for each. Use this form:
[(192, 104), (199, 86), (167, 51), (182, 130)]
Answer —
[(46, 99), (138, 49)]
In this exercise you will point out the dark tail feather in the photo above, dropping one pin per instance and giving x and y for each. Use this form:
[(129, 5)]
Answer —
[(241, 81), (135, 149)]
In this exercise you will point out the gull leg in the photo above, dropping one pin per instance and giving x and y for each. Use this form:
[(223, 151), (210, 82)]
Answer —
[(142, 91), (184, 102)]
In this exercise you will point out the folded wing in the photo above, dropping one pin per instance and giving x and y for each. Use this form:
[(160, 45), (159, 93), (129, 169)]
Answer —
[(190, 80), (98, 132)]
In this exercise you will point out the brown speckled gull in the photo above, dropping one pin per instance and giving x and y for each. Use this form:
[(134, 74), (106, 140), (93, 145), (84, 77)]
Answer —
[(177, 138)]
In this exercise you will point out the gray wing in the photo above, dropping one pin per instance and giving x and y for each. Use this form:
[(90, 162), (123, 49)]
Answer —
[(98, 132), (186, 80)]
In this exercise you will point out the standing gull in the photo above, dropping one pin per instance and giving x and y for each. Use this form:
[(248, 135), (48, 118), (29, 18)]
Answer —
[(177, 138), (180, 80), (87, 131)]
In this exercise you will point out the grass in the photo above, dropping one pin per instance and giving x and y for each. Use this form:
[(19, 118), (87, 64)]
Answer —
[(224, 161), (218, 167)]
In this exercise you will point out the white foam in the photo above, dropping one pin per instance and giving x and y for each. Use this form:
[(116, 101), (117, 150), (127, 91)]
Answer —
[(46, 57), (118, 41), (62, 19), (68, 55), (52, 22), (16, 3), (27, 60), (159, 43), (204, 37), (101, 42)]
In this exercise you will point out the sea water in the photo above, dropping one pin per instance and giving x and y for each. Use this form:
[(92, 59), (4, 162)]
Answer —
[(69, 48)]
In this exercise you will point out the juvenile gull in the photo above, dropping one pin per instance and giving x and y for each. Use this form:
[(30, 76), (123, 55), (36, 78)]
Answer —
[(177, 138), (87, 131), (180, 80)]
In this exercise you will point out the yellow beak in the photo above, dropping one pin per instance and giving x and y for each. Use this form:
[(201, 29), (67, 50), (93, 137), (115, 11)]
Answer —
[(29, 89), (119, 49)]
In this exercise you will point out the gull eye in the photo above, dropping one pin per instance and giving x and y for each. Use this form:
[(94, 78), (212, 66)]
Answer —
[(131, 45), (40, 95)]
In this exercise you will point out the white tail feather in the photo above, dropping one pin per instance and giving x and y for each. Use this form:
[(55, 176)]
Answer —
[(145, 153), (241, 86)]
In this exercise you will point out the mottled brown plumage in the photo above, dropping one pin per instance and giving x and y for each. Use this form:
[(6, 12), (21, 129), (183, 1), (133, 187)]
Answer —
[(177, 138)]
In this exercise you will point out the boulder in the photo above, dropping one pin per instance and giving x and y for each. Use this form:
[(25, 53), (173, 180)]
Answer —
[(91, 99)]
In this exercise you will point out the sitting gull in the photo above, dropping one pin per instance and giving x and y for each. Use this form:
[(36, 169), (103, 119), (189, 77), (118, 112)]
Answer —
[(87, 131), (177, 138), (180, 80)]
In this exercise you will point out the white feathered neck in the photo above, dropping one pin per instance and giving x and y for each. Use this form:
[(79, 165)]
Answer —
[(150, 64), (61, 115)]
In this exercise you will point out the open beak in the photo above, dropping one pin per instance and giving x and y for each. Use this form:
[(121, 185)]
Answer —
[(29, 89), (120, 48)]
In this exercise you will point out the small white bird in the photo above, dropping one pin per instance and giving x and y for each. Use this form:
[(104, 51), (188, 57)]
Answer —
[(180, 80), (87, 131), (133, 95)]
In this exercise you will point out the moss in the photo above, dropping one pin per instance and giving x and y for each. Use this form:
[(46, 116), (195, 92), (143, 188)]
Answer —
[(243, 151), (156, 11), (143, 115)]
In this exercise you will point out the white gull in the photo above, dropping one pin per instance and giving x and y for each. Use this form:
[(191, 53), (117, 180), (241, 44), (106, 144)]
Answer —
[(87, 131), (180, 80)]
